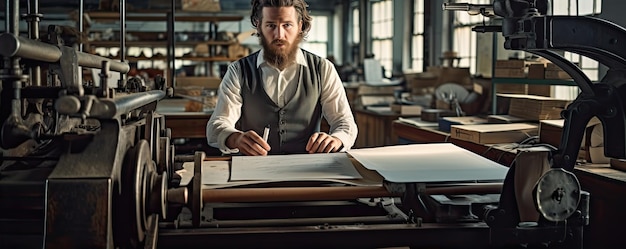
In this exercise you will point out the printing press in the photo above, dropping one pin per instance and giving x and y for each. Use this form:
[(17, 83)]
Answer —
[(85, 165)]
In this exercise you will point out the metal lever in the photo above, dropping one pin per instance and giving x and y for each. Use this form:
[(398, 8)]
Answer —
[(472, 9)]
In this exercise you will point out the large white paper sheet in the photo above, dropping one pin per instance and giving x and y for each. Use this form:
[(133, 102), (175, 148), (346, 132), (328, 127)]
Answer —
[(435, 162), (293, 167)]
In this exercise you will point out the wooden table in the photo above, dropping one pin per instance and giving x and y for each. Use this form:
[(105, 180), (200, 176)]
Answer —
[(183, 124), (375, 128), (607, 207), (187, 125)]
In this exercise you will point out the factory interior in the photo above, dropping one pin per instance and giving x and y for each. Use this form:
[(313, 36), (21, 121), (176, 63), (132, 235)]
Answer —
[(434, 124)]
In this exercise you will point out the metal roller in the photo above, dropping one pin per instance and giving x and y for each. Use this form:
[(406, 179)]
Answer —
[(13, 45), (196, 189)]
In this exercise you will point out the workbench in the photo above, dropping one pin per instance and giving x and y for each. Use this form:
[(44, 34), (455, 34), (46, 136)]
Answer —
[(604, 183)]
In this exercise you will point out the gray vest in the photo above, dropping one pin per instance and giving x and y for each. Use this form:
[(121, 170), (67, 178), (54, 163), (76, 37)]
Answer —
[(290, 126)]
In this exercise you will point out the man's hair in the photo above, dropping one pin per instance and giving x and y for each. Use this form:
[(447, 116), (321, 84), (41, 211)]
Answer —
[(257, 12)]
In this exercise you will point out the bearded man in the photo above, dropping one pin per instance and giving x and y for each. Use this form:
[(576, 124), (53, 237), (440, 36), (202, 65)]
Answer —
[(282, 91)]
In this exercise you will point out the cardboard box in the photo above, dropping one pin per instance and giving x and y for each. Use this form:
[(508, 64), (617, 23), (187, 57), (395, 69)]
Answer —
[(493, 133), (618, 164), (509, 64), (419, 83), (551, 66), (536, 71), (539, 90), (511, 88), (550, 132), (446, 122), (461, 76), (509, 73), (557, 74), (535, 107), (409, 110)]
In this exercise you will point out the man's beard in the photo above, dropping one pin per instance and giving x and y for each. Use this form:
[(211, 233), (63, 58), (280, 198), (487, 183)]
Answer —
[(277, 57)]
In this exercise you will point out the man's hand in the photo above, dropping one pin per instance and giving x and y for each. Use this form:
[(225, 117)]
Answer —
[(249, 143), (321, 142)]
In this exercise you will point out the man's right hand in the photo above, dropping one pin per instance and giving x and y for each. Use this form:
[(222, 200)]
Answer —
[(249, 143)]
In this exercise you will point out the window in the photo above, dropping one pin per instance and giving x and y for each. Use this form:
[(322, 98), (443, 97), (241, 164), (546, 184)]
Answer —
[(464, 42), (588, 66), (417, 40), (317, 40), (382, 32), (356, 29)]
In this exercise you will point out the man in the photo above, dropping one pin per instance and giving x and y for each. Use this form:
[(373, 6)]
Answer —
[(281, 87)]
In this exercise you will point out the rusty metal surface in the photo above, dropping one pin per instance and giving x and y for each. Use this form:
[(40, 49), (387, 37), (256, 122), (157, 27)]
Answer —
[(78, 213)]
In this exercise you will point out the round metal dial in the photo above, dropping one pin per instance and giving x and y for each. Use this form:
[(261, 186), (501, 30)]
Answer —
[(557, 194)]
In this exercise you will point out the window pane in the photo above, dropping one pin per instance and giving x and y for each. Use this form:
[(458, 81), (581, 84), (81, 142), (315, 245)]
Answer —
[(319, 28), (356, 30), (382, 32), (317, 40), (560, 7), (417, 41)]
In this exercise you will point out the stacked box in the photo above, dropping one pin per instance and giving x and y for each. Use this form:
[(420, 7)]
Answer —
[(536, 108), (459, 75), (510, 64), (509, 69), (550, 132), (422, 82), (511, 88), (409, 110), (493, 133), (555, 72), (536, 71), (618, 164)]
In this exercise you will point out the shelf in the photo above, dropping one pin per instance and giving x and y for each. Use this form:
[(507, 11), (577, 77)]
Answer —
[(158, 43), (534, 81), (200, 58), (495, 80), (162, 16), (196, 58), (200, 40)]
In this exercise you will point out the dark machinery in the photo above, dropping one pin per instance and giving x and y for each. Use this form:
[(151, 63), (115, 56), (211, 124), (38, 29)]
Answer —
[(526, 27), (85, 165), (79, 159)]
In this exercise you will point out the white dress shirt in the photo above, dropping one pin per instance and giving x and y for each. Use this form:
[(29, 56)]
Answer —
[(281, 87)]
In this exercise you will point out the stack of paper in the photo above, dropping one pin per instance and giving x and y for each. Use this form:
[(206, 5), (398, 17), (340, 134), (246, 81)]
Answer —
[(437, 162)]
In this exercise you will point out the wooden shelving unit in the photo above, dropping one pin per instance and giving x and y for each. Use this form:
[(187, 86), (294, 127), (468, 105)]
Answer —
[(156, 16), (179, 16)]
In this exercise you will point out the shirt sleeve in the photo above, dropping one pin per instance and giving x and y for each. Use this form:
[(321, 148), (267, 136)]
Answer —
[(227, 110), (335, 106)]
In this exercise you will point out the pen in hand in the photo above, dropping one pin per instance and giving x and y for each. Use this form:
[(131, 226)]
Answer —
[(266, 133)]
